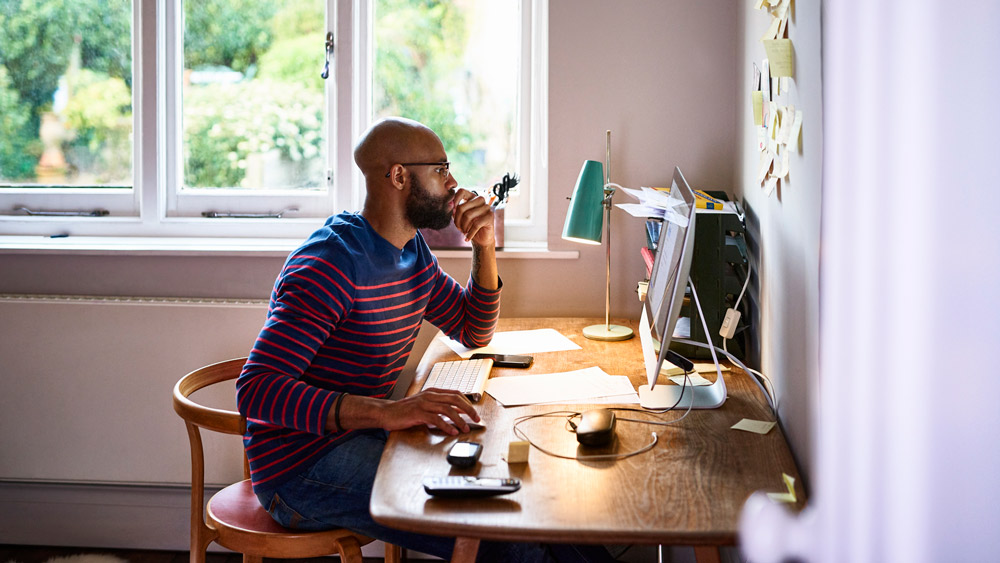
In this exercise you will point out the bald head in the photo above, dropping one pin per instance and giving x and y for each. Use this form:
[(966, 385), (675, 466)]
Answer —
[(395, 140)]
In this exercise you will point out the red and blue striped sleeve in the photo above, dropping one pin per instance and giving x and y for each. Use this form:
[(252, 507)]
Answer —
[(309, 299), (468, 315)]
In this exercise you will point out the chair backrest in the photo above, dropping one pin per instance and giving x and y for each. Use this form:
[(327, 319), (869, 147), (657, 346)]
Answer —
[(219, 420)]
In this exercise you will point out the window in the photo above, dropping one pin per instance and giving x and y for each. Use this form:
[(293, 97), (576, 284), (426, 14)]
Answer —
[(66, 105), (211, 118)]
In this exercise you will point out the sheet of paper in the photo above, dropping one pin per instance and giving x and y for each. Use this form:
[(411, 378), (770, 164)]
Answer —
[(694, 379), (765, 166), (772, 31), (793, 135), (784, 124), (641, 210), (755, 426), (630, 399), (518, 342), (770, 185), (783, 168), (758, 107), (780, 57), (577, 386), (625, 399)]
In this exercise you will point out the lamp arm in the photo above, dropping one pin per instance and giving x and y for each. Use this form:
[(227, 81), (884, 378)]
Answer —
[(609, 193)]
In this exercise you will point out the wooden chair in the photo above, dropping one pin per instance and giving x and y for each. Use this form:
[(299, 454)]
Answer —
[(234, 517)]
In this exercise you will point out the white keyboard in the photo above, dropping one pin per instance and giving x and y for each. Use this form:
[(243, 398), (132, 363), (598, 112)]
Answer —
[(466, 376)]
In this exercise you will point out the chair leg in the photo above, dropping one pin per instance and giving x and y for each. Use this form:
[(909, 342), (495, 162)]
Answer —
[(393, 553), (350, 550), (252, 558)]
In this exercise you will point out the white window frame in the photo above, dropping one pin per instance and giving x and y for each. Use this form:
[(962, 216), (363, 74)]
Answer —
[(156, 208)]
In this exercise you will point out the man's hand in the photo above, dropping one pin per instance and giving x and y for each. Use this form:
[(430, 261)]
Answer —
[(441, 408), (474, 218), (432, 407)]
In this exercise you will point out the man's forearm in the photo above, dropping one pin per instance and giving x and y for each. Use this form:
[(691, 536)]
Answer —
[(484, 267), (356, 412)]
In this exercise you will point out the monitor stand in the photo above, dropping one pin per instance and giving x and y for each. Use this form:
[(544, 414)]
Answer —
[(663, 397), (700, 397)]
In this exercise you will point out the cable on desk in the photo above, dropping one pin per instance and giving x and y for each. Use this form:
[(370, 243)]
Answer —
[(573, 414), (595, 457), (770, 400), (771, 395)]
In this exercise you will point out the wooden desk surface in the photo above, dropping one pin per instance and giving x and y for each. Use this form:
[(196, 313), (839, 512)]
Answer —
[(688, 490)]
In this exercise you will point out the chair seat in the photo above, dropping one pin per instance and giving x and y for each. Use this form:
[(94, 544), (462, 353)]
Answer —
[(237, 516), (237, 507)]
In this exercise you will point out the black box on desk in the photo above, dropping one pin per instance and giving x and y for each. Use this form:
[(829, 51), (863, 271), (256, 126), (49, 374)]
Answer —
[(718, 270)]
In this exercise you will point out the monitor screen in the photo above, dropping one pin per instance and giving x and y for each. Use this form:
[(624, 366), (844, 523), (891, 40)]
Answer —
[(669, 276)]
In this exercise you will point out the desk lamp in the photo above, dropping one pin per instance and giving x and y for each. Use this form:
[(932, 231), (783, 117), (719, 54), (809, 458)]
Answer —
[(592, 197)]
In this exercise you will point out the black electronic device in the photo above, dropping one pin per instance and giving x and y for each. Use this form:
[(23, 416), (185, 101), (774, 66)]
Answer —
[(469, 487), (464, 454), (505, 360), (596, 427)]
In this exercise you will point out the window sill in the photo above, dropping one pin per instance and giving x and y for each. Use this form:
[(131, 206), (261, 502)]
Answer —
[(215, 246)]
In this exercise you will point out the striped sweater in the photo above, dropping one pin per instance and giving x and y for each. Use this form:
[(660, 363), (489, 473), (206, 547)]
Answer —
[(343, 316)]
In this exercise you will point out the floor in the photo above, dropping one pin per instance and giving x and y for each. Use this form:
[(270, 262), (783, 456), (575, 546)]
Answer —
[(41, 554)]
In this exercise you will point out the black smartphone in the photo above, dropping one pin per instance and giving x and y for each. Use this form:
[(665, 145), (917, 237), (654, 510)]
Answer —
[(506, 360), (464, 454)]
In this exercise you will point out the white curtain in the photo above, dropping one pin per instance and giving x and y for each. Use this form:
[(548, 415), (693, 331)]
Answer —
[(908, 412)]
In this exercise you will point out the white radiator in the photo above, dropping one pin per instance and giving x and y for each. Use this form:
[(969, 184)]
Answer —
[(85, 386)]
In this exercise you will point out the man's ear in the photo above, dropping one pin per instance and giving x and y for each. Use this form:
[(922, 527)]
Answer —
[(397, 175)]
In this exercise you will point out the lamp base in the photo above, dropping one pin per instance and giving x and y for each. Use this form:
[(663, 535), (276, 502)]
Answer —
[(608, 333)]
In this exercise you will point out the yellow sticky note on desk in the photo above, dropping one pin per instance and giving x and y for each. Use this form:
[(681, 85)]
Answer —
[(785, 497), (780, 57), (758, 107), (755, 426)]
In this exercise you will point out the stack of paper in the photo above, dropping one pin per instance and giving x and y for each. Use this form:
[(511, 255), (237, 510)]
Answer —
[(657, 203), (589, 385)]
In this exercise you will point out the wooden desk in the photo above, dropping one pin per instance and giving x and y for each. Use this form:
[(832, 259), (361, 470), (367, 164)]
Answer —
[(688, 490)]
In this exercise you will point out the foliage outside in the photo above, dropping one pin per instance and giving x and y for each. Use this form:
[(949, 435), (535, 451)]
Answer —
[(73, 58)]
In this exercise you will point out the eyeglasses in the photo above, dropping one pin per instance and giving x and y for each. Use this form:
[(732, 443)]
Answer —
[(443, 168)]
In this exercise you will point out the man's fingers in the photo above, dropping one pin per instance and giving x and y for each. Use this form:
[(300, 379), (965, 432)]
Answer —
[(473, 216)]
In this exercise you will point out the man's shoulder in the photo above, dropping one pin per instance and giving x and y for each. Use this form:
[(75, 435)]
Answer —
[(339, 243)]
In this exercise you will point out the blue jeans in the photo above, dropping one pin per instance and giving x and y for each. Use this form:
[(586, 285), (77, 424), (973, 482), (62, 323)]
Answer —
[(335, 493)]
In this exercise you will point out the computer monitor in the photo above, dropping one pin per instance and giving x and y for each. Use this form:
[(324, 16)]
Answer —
[(668, 283)]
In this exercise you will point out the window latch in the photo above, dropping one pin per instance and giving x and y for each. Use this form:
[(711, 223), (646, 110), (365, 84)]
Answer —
[(329, 53), (92, 213), (230, 215)]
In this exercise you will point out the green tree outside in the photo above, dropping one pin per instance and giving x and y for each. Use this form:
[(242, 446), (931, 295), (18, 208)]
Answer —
[(277, 106)]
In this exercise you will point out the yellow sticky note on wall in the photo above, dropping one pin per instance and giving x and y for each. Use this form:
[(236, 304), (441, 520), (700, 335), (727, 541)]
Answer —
[(758, 107), (780, 57)]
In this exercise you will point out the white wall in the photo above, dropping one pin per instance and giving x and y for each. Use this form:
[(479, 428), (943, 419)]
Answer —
[(661, 75), (784, 227)]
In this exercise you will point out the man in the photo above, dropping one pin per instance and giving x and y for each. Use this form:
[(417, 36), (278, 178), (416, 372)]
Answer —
[(343, 316)]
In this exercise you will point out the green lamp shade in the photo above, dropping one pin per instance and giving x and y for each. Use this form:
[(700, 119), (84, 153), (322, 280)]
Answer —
[(585, 216)]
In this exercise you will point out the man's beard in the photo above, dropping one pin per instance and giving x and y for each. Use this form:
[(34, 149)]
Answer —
[(426, 211)]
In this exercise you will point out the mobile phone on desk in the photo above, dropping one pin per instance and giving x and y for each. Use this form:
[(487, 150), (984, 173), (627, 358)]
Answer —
[(505, 360), (464, 454)]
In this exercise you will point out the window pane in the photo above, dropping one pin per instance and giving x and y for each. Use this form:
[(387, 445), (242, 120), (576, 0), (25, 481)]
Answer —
[(66, 93), (453, 65), (253, 98)]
